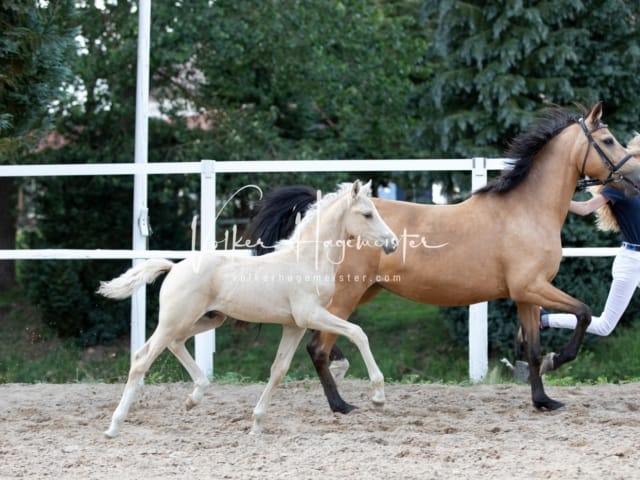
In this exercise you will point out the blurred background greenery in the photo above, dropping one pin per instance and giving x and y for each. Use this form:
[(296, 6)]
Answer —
[(262, 80)]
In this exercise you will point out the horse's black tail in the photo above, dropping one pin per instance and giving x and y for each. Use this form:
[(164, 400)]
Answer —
[(276, 219)]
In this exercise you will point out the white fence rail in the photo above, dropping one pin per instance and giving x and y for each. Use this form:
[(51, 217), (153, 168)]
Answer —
[(205, 342)]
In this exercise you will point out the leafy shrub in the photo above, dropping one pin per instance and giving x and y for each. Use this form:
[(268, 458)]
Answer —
[(95, 212)]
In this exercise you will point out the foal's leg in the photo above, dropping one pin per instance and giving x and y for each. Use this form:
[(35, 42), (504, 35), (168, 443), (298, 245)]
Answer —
[(291, 336), (178, 348), (139, 366)]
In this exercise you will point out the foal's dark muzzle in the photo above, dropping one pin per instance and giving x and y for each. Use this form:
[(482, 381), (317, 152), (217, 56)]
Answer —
[(390, 245)]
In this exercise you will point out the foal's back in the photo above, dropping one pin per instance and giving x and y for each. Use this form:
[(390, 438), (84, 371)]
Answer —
[(254, 289)]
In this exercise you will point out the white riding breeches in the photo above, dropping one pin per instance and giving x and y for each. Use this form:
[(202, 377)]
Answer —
[(626, 278)]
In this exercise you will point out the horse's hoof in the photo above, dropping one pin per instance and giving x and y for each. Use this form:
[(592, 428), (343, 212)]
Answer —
[(378, 399), (343, 407), (255, 429), (547, 363), (111, 433), (548, 405), (189, 403)]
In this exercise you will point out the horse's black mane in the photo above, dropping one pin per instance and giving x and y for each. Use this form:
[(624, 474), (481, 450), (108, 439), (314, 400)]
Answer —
[(276, 218), (527, 144)]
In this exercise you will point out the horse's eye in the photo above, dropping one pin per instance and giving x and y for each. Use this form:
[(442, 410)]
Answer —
[(368, 215), (608, 141)]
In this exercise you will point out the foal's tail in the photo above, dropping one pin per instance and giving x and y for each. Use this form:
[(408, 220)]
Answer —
[(276, 219), (124, 285)]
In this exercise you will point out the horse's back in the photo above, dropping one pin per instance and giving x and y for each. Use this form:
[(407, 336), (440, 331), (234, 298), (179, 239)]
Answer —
[(462, 253)]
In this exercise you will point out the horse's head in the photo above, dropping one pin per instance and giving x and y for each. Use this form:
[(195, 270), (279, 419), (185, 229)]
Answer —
[(605, 159), (363, 220)]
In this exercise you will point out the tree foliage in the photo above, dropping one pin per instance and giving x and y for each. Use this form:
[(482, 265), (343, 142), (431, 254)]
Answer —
[(252, 80), (503, 60), (35, 51), (35, 48), (268, 79)]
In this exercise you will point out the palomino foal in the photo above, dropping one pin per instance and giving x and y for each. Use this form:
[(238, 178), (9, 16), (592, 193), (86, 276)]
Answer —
[(292, 287)]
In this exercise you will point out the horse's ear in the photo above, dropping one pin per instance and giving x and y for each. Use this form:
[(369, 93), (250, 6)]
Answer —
[(593, 117), (355, 189)]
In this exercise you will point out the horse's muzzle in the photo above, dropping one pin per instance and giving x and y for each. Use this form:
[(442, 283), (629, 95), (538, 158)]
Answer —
[(390, 245)]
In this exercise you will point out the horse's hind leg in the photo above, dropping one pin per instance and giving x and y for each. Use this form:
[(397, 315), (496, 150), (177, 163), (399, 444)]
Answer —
[(178, 348), (291, 336), (529, 318), (200, 380), (139, 366)]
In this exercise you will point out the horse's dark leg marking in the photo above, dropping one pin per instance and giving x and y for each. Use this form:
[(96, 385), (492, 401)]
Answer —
[(320, 361), (570, 350), (336, 353), (540, 399)]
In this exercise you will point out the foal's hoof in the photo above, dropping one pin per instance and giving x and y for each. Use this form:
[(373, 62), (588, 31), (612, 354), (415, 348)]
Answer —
[(110, 433), (378, 399), (547, 363), (189, 403)]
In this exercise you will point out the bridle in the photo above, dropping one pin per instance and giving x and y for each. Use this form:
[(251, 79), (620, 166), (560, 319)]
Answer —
[(614, 176)]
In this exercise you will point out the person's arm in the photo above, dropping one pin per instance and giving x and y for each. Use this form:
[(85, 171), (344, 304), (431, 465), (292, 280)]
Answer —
[(588, 206)]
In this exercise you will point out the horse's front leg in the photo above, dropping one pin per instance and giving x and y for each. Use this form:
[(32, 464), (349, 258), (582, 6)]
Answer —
[(321, 319), (570, 351), (322, 348), (529, 321), (317, 348), (291, 336), (555, 299)]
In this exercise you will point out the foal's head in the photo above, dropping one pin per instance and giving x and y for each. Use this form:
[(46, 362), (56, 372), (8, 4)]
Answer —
[(361, 218)]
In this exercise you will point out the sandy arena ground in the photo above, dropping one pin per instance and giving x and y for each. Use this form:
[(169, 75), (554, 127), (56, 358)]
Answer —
[(424, 432)]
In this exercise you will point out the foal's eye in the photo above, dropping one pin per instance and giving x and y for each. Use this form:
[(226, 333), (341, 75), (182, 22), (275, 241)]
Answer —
[(368, 215), (608, 141)]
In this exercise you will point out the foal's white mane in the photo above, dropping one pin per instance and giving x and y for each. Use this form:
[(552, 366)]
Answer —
[(313, 211)]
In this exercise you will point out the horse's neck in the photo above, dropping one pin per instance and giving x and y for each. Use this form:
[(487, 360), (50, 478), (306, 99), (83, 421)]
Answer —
[(322, 240), (552, 181)]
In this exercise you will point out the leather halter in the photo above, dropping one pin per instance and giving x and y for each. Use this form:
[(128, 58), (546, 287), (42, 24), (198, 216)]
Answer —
[(614, 176)]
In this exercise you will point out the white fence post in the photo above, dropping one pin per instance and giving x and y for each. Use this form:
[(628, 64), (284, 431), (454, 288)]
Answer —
[(478, 313), (140, 226), (205, 342)]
